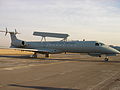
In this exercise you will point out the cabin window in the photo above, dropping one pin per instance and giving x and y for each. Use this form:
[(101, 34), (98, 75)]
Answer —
[(96, 44)]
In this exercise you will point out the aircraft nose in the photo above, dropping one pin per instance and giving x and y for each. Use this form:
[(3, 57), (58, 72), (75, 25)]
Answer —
[(114, 51)]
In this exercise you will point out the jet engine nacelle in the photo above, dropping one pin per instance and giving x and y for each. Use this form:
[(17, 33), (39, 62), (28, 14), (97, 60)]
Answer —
[(95, 54), (18, 43)]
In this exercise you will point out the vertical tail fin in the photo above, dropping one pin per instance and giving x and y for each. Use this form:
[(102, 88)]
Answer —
[(15, 43), (12, 35)]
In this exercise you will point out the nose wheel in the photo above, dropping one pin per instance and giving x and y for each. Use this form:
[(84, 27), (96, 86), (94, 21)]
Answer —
[(106, 59)]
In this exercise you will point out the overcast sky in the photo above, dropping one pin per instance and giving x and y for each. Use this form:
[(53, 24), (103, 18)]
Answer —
[(83, 19)]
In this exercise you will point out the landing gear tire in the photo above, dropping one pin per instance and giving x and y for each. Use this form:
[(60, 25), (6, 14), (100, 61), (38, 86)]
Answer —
[(46, 55), (34, 55), (106, 59)]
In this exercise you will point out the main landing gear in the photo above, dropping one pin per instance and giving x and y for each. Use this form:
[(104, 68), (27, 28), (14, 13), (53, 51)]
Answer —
[(47, 55), (35, 55)]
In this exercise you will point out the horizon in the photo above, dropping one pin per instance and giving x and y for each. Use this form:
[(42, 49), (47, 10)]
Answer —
[(95, 20)]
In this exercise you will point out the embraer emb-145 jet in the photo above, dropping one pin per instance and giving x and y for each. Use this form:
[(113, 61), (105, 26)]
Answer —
[(92, 48)]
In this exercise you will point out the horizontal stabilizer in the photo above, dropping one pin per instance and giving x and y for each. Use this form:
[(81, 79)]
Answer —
[(15, 32)]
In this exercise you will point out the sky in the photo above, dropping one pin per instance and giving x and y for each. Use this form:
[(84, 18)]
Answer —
[(95, 20)]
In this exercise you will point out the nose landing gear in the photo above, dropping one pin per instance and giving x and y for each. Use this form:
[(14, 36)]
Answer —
[(106, 59)]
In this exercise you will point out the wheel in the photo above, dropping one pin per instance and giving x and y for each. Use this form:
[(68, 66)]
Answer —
[(34, 55), (46, 55), (106, 59)]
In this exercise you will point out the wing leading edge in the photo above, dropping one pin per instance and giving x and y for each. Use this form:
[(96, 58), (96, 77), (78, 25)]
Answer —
[(41, 51)]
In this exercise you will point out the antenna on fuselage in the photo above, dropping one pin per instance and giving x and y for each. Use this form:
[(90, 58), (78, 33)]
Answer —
[(83, 39)]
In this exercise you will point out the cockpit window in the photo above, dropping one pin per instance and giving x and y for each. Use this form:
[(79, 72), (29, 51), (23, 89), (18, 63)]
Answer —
[(96, 44), (99, 44)]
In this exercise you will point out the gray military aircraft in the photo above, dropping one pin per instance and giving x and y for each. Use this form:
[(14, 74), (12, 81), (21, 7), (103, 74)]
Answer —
[(92, 48)]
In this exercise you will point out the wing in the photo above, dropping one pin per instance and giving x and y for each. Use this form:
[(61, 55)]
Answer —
[(36, 50), (42, 51)]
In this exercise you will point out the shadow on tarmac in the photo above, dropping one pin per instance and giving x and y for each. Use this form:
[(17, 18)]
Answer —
[(61, 59), (40, 87), (20, 56)]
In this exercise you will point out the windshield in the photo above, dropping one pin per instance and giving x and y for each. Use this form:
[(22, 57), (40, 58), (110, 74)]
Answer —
[(99, 44)]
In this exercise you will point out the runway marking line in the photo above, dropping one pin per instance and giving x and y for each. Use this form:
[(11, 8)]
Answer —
[(19, 67), (105, 82)]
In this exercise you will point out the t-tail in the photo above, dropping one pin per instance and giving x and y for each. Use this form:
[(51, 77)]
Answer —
[(15, 42)]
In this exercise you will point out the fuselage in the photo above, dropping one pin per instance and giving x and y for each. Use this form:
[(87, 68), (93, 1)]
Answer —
[(69, 46), (92, 48)]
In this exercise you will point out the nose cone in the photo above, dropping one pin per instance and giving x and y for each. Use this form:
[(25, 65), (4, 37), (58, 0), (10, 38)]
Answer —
[(111, 50), (116, 51)]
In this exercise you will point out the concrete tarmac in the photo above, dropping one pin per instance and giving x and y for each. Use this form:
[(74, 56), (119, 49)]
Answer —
[(59, 72)]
